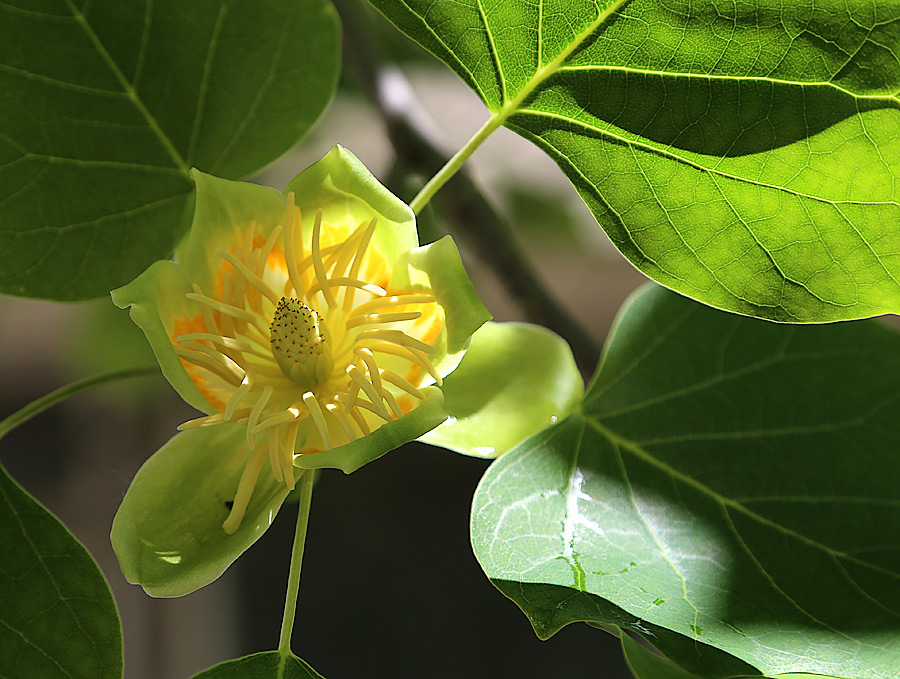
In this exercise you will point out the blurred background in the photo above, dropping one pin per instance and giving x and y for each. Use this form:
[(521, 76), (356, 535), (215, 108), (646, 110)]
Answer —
[(390, 586)]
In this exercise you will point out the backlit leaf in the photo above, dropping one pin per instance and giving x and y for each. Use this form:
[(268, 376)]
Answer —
[(745, 153)]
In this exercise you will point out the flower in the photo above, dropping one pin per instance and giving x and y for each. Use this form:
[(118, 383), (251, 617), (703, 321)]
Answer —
[(312, 331)]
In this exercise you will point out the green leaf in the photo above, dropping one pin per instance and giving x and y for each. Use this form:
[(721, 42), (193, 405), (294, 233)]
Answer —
[(268, 665), (743, 153), (728, 479), (105, 107), (168, 533), (57, 615), (515, 380), (549, 608), (645, 664)]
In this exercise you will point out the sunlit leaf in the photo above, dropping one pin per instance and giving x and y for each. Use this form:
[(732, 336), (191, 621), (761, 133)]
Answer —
[(57, 615), (744, 153), (268, 665), (728, 479), (105, 106)]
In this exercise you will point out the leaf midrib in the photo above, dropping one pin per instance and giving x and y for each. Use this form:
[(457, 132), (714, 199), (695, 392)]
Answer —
[(129, 91)]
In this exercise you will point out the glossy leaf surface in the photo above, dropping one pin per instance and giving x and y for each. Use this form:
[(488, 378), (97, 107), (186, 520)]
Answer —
[(57, 615), (105, 107), (743, 153), (728, 479), (268, 665)]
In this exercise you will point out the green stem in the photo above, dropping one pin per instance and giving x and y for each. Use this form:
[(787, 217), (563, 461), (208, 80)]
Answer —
[(40, 405), (452, 166), (290, 599)]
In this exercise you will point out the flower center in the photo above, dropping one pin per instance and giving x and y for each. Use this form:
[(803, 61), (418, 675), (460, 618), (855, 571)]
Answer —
[(267, 357), (298, 343)]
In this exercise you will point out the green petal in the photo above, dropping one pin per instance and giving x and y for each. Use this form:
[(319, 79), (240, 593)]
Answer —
[(439, 267), (346, 192), (351, 456), (515, 379), (222, 215), (168, 532), (157, 294)]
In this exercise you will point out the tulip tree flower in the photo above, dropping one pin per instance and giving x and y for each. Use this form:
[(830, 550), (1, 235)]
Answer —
[(312, 332)]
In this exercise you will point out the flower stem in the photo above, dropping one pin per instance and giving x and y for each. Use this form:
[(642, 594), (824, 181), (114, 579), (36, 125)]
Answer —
[(37, 406), (452, 166), (290, 599)]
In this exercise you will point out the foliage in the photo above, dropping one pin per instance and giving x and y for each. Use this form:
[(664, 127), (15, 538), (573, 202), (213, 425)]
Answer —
[(725, 488)]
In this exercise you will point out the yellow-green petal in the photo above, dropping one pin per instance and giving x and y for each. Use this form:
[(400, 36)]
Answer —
[(515, 380), (168, 532), (346, 192), (439, 267), (223, 213), (156, 299)]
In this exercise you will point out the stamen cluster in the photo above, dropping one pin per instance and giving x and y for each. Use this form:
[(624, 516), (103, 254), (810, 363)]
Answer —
[(302, 348)]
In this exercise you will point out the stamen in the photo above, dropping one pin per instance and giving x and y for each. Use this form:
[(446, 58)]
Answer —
[(222, 341), (378, 319), (263, 259), (226, 323), (397, 337), (290, 246), (251, 277), (368, 405), (361, 422), (290, 441), (357, 261), (217, 356), (256, 412), (221, 307), (357, 376), (197, 423), (342, 420), (315, 410), (350, 283), (207, 363), (245, 490), (350, 398), (346, 253), (410, 355), (398, 381), (393, 300), (392, 402), (238, 396), (374, 373), (318, 264), (275, 459), (208, 320), (288, 415)]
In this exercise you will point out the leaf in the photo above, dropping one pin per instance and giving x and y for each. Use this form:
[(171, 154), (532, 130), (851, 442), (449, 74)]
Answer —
[(57, 615), (731, 480), (515, 379), (168, 533), (645, 664), (268, 665), (743, 153), (105, 107), (551, 607)]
